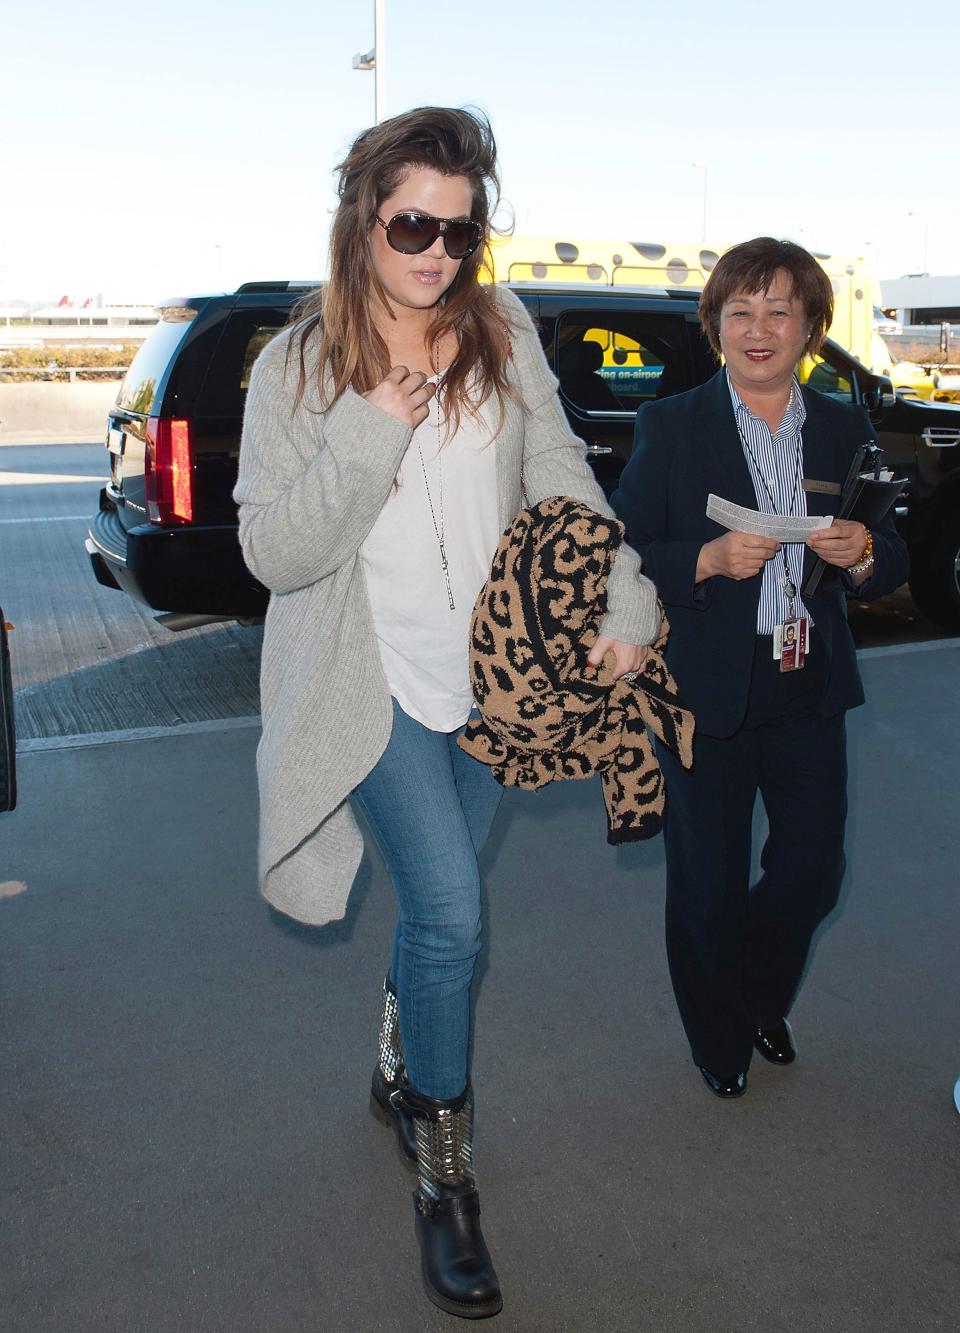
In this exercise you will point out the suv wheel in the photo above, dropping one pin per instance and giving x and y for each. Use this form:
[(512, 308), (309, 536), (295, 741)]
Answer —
[(935, 576)]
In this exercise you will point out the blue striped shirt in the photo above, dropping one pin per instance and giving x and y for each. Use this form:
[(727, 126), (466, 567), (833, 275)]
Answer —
[(775, 462)]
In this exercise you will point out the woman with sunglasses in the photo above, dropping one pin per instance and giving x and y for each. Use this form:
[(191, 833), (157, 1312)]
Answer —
[(386, 435)]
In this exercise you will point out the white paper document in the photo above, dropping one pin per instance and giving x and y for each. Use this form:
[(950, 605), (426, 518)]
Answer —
[(738, 519)]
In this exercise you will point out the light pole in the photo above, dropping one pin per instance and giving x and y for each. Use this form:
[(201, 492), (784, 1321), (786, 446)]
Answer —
[(376, 59), (703, 166), (926, 235)]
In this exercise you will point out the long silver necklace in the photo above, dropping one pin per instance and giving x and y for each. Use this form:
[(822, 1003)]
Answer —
[(438, 527)]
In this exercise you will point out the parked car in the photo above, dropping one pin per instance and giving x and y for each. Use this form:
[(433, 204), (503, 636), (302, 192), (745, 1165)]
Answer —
[(166, 532), (885, 322)]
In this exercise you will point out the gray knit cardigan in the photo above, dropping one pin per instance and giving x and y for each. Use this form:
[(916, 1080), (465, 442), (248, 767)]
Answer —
[(310, 487)]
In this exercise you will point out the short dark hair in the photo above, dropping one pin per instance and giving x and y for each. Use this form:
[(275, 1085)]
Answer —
[(751, 267)]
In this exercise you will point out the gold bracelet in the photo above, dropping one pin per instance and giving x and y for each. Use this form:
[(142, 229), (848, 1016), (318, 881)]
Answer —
[(866, 557)]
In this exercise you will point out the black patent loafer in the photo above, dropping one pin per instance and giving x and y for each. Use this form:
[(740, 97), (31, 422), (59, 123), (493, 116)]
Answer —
[(383, 1107), (776, 1044), (732, 1085)]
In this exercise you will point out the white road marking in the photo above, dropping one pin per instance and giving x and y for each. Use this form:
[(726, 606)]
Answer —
[(46, 478), (47, 518), (39, 744)]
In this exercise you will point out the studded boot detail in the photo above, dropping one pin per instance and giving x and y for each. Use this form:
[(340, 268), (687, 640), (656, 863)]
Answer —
[(389, 1076), (457, 1270)]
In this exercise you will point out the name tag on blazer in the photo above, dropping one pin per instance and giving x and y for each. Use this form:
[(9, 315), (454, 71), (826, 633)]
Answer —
[(810, 485)]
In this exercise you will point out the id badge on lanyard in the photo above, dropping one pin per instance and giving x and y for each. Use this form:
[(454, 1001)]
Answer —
[(791, 638), (791, 643)]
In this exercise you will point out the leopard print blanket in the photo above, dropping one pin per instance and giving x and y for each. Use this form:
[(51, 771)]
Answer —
[(544, 717)]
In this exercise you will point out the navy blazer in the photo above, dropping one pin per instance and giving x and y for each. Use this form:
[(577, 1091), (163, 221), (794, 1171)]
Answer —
[(686, 447)]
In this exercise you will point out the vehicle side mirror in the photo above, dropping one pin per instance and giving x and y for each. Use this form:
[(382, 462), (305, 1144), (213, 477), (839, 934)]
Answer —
[(879, 396)]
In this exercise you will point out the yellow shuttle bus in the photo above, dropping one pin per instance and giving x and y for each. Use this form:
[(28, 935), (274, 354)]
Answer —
[(616, 263)]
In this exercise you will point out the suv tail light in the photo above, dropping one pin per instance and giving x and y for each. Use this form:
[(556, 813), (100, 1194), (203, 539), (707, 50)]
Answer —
[(168, 471)]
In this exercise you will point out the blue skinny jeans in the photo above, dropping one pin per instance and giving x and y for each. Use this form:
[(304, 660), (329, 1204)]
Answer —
[(430, 807)]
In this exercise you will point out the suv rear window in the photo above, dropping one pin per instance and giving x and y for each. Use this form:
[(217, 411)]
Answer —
[(148, 367)]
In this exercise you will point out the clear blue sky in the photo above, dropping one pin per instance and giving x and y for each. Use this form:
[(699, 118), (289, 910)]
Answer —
[(153, 148)]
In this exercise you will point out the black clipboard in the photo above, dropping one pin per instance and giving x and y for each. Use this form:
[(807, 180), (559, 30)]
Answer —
[(864, 497)]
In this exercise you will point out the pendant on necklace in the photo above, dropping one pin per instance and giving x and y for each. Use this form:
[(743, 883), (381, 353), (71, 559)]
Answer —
[(446, 575)]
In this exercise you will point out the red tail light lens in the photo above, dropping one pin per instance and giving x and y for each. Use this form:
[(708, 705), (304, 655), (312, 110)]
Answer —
[(168, 471)]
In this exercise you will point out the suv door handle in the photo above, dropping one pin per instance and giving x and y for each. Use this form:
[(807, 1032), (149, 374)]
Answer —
[(598, 450)]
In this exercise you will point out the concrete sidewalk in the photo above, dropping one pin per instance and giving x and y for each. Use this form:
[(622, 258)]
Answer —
[(185, 1137)]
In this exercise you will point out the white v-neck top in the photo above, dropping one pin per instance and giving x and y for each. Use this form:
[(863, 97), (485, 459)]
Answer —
[(423, 644)]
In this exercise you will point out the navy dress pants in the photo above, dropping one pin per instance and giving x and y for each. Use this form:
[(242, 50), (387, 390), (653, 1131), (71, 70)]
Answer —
[(736, 952)]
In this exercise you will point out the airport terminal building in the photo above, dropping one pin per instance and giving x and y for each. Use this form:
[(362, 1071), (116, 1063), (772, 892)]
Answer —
[(922, 298)]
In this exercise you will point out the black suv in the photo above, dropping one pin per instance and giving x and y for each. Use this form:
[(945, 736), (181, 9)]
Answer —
[(167, 528)]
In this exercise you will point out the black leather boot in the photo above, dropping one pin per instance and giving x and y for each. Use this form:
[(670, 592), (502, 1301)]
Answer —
[(455, 1263), (389, 1076)]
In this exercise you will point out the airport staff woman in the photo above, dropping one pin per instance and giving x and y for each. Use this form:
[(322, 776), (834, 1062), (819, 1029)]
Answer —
[(766, 721), (385, 438)]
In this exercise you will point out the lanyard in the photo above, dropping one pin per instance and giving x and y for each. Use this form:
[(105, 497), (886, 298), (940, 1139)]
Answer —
[(786, 582)]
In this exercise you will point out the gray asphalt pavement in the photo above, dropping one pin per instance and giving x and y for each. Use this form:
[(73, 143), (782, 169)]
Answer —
[(185, 1136), (87, 658)]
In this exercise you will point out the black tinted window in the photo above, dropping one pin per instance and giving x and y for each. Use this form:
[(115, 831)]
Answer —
[(257, 341), (611, 361), (827, 378), (246, 335)]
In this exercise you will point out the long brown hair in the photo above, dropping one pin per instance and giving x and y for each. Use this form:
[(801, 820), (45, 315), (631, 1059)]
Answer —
[(352, 352)]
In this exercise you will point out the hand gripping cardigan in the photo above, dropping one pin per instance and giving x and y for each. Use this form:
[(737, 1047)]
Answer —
[(311, 483), (543, 716)]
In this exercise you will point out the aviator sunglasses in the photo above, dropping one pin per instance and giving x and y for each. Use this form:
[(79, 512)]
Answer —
[(412, 233)]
